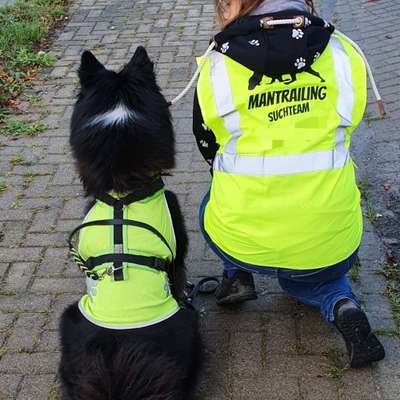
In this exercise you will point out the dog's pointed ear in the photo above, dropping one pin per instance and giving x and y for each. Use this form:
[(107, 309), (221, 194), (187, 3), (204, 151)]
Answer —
[(89, 68), (141, 59)]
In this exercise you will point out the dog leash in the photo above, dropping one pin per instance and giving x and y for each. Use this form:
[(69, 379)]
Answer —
[(197, 288), (296, 22), (196, 74)]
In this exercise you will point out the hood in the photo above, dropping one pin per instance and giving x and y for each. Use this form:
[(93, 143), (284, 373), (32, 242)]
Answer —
[(273, 6), (282, 49)]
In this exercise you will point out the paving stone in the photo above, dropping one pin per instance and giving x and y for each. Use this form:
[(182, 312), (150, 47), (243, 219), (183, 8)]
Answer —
[(49, 341), (317, 388), (6, 321), (9, 384), (25, 302), (26, 332), (36, 387), (57, 285), (358, 385), (260, 388), (29, 363), (19, 276)]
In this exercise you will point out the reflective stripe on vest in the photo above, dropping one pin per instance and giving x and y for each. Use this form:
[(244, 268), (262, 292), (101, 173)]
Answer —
[(231, 162)]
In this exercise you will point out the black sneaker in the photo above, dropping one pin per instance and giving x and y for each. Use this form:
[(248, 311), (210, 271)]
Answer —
[(362, 345), (237, 289)]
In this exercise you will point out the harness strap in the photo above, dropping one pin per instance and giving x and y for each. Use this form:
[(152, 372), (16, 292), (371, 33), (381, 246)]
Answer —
[(118, 241), (130, 222), (86, 265), (140, 193), (152, 262)]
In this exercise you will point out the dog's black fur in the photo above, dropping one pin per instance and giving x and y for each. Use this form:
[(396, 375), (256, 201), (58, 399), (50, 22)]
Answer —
[(159, 362)]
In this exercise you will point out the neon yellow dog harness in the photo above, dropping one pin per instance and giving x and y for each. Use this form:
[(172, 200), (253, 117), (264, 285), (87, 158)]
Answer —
[(126, 248)]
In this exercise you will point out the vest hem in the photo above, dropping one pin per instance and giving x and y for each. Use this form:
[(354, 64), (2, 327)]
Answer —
[(127, 326), (297, 268)]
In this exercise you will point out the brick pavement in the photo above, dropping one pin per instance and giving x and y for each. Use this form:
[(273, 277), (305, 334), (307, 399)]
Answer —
[(269, 349)]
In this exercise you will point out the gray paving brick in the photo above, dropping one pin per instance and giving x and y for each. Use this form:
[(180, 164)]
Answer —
[(26, 332), (317, 388), (18, 276), (9, 384), (25, 302), (29, 363), (259, 388), (36, 387)]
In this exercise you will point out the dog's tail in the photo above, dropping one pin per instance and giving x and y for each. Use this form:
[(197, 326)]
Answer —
[(122, 370)]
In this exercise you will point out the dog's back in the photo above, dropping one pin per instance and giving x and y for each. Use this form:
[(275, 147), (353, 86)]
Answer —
[(123, 371), (146, 364)]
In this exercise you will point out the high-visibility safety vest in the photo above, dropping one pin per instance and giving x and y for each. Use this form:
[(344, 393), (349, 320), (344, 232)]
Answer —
[(284, 193), (143, 297)]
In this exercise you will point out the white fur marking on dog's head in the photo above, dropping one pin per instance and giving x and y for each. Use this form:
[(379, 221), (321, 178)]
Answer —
[(118, 115)]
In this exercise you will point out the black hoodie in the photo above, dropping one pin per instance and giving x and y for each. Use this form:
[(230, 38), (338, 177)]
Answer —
[(273, 52)]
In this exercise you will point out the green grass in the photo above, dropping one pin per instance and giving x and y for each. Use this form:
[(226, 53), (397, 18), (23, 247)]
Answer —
[(369, 210), (355, 271), (17, 159), (337, 365), (20, 127), (28, 178), (33, 100), (363, 186), (54, 393), (23, 28), (392, 273), (3, 186)]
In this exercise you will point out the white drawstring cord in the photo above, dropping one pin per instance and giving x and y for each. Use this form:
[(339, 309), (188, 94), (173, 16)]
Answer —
[(379, 100), (214, 44), (381, 106), (196, 74)]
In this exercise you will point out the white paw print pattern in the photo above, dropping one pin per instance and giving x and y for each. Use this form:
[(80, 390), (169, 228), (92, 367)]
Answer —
[(297, 34), (254, 42), (205, 127), (317, 55), (307, 22), (300, 63), (225, 47), (203, 143)]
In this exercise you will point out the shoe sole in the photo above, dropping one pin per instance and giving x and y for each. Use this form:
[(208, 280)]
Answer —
[(237, 298), (363, 346)]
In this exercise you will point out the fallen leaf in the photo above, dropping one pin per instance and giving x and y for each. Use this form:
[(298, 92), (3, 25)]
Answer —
[(386, 185)]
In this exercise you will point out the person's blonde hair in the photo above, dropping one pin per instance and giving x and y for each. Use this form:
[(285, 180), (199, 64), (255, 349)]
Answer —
[(246, 7)]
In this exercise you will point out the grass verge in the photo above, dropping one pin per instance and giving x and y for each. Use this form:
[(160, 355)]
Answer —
[(24, 28)]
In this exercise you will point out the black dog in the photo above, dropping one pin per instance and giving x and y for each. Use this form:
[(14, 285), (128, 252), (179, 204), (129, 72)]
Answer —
[(123, 141)]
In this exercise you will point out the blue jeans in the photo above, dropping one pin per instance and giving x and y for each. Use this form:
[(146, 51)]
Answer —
[(322, 288)]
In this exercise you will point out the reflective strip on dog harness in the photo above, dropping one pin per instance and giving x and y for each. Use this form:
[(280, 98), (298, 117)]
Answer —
[(233, 163)]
